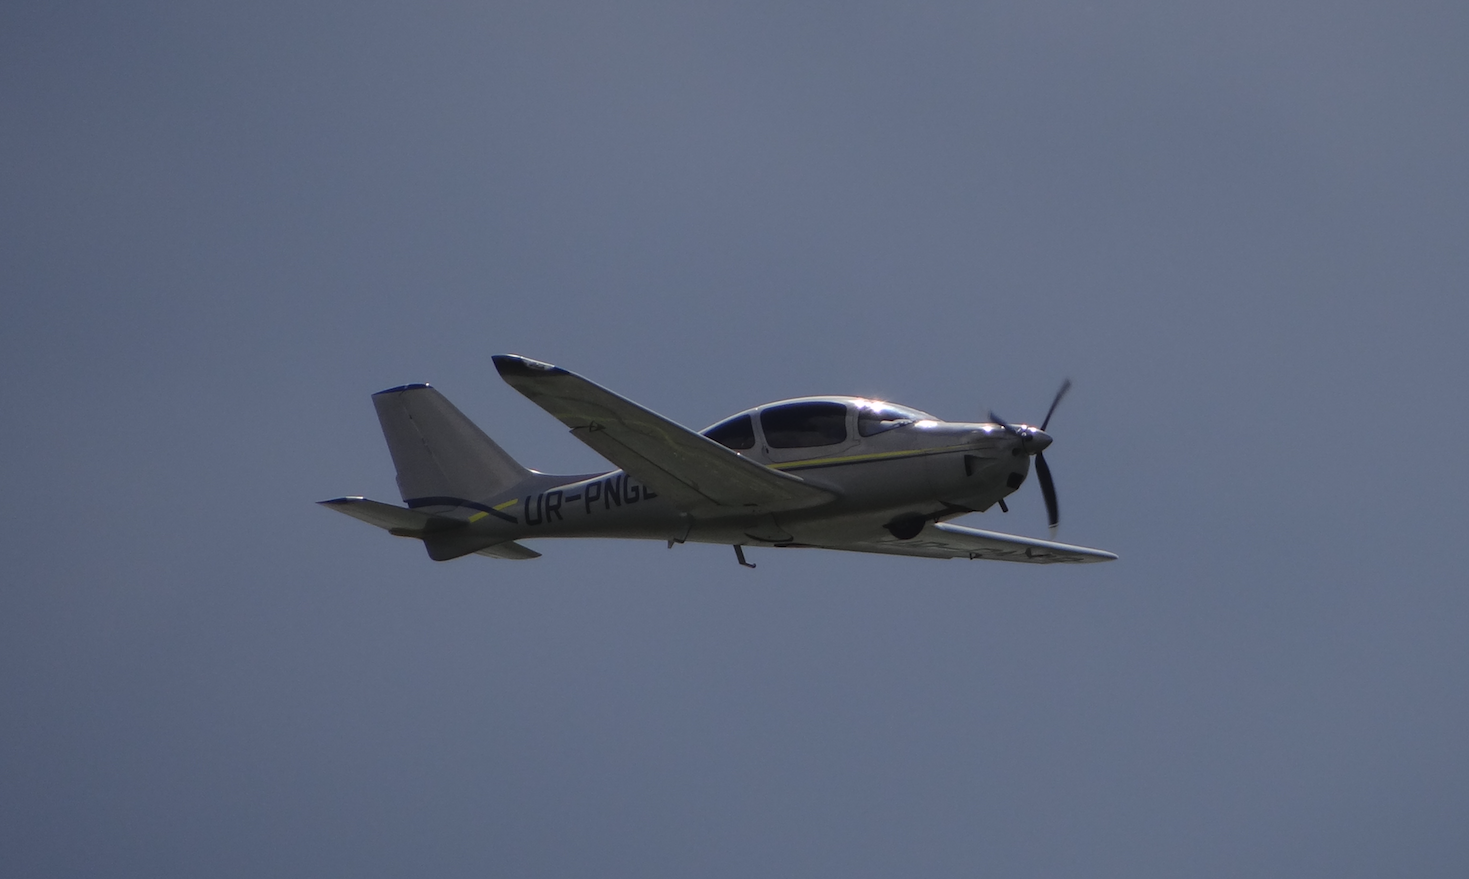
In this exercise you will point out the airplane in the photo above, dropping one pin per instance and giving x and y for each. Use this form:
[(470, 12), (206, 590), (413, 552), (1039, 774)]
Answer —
[(844, 473)]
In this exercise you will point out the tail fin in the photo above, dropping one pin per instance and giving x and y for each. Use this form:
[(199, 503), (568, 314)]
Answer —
[(440, 454)]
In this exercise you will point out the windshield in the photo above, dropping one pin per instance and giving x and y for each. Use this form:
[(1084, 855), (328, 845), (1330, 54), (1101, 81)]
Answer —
[(734, 433)]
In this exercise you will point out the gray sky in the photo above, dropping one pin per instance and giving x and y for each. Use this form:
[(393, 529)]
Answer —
[(1241, 228)]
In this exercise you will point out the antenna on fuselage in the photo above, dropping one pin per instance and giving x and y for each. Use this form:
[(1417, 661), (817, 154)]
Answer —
[(740, 554)]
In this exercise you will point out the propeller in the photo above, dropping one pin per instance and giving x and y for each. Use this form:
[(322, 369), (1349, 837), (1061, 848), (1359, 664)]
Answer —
[(1065, 386), (1030, 435), (1048, 491)]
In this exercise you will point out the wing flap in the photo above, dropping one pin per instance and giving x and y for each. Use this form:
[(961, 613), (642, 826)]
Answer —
[(696, 474), (943, 540)]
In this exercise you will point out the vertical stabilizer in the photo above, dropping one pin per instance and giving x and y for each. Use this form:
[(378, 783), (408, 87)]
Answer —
[(440, 454)]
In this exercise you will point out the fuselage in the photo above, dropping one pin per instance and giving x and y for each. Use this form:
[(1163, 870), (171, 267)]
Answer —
[(892, 468)]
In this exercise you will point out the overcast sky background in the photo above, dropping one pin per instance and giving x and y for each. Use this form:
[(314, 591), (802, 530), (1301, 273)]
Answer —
[(1240, 227)]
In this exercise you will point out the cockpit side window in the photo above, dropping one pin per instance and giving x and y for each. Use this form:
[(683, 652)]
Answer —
[(874, 418), (804, 425), (734, 433)]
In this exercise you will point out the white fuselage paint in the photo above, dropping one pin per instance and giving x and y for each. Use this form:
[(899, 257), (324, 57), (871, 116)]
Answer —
[(930, 469)]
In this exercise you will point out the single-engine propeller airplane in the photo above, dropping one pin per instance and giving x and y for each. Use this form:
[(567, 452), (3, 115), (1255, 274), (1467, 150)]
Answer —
[(822, 472)]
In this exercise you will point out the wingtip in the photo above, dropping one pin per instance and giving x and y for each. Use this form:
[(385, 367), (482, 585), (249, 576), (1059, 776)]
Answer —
[(517, 366)]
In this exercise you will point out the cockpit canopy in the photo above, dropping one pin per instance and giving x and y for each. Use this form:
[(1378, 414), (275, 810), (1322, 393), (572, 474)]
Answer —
[(804, 425), (812, 422)]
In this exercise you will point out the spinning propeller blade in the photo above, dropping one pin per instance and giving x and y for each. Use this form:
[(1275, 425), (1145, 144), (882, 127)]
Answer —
[(1010, 428), (1065, 386), (1048, 490)]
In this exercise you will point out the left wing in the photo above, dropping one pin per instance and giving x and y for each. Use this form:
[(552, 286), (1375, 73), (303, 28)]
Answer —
[(697, 475), (941, 540)]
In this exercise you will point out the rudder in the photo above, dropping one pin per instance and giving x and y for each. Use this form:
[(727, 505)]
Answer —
[(441, 456)]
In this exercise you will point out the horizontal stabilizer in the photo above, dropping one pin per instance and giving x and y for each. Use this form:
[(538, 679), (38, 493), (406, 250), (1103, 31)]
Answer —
[(444, 538), (509, 550), (393, 518), (451, 545)]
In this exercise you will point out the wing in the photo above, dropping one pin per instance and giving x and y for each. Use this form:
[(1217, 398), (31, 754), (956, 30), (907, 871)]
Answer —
[(942, 540), (696, 474)]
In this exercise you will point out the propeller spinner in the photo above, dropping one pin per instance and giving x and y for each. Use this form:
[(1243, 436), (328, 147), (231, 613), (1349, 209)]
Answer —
[(1034, 441)]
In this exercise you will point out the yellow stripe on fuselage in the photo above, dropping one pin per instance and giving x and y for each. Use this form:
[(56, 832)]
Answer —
[(510, 503), (858, 459)]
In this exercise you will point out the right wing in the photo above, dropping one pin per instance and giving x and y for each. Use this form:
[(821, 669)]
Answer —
[(941, 540), (697, 475)]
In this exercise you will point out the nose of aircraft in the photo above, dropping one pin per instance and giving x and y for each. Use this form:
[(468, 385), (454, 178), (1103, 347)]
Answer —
[(1037, 440)]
